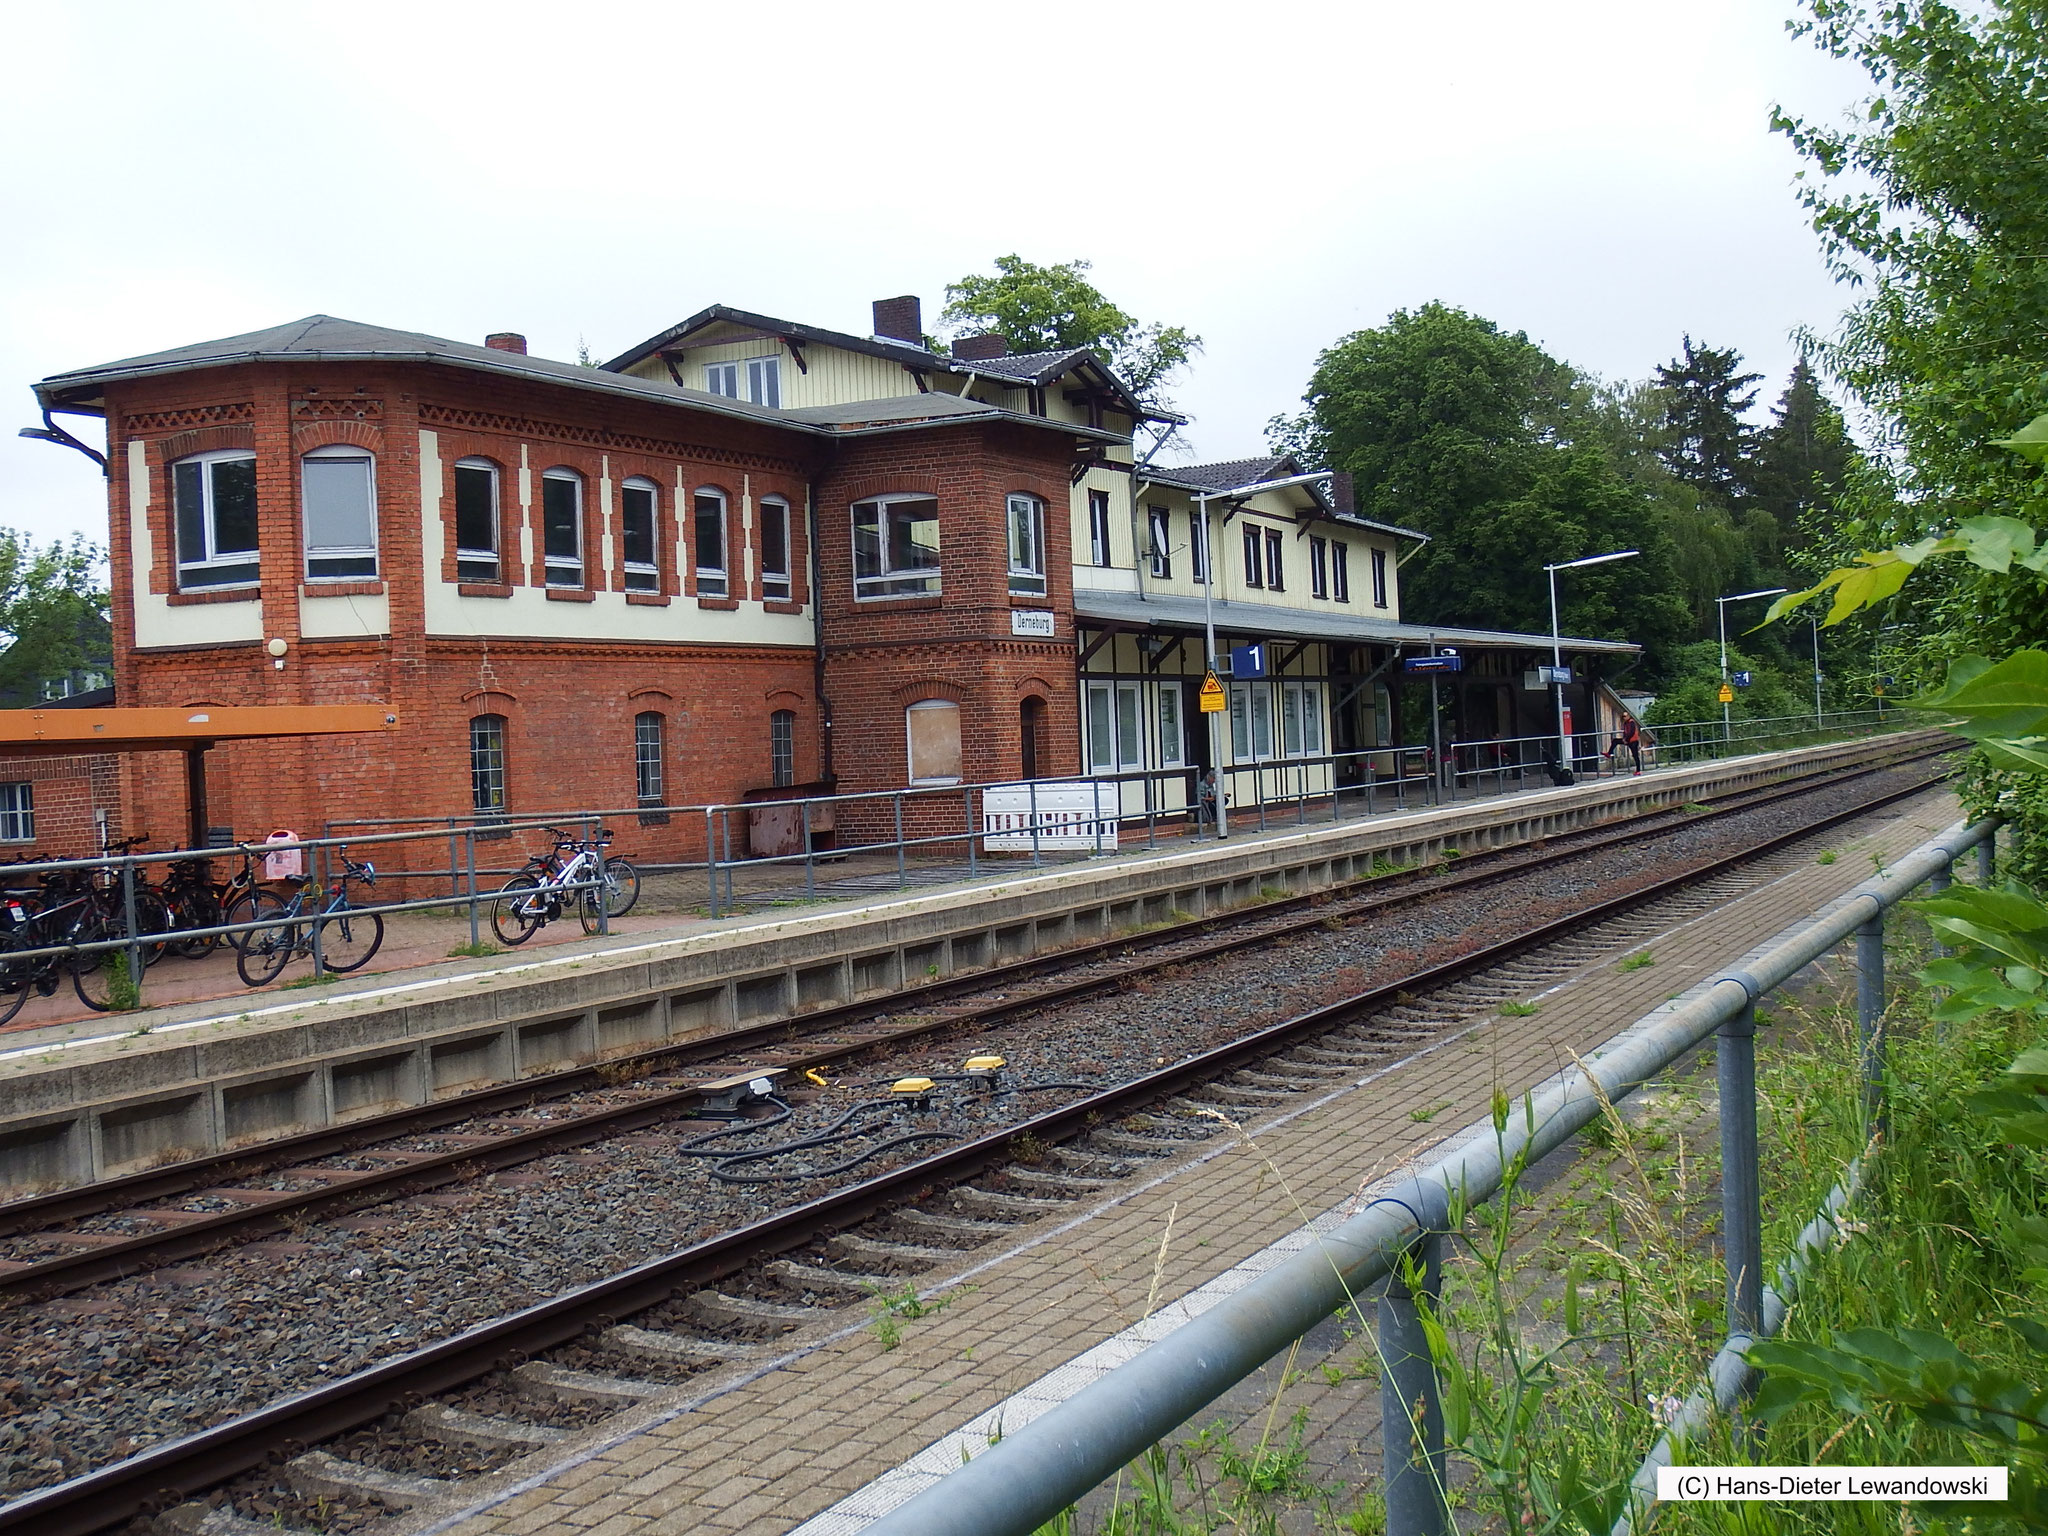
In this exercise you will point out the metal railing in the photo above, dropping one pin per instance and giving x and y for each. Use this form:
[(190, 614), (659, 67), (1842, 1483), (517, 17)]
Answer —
[(1040, 1468)]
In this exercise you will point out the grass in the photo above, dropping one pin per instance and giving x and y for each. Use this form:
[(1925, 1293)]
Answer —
[(317, 979), (1517, 1010), (1424, 1115), (1641, 960), (1825, 856), (893, 1308), (482, 949)]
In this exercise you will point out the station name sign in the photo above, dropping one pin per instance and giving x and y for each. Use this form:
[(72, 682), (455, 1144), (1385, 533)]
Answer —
[(1433, 664)]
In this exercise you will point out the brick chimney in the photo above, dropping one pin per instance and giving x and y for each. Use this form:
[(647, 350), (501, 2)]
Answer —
[(972, 349), (900, 319), (1343, 495), (505, 341)]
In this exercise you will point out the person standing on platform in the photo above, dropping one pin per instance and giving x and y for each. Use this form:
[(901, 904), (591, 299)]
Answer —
[(1629, 734)]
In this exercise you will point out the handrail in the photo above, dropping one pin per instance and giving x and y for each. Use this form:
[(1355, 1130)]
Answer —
[(1036, 1470)]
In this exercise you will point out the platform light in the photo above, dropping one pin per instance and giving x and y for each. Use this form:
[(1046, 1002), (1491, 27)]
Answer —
[(1721, 613), (1564, 744)]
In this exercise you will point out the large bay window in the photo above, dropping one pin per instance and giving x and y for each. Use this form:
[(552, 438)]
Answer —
[(1027, 545), (561, 504), (338, 488), (638, 499), (476, 520), (709, 509), (215, 501), (896, 547)]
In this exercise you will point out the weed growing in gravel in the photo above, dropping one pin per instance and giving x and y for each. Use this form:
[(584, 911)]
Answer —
[(481, 950), (1429, 1112), (1642, 960), (1826, 856), (892, 1307), (317, 979), (1520, 1010)]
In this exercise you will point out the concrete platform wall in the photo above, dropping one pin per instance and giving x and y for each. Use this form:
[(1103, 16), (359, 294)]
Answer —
[(111, 1108)]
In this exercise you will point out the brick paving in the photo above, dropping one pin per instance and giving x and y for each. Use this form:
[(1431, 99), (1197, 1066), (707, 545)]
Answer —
[(766, 1453)]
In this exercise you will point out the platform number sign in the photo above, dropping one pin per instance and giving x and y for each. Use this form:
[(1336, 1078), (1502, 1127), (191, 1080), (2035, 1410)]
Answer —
[(1742, 679), (1248, 661)]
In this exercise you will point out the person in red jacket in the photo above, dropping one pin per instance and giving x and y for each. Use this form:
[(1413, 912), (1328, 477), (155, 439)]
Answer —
[(1629, 735)]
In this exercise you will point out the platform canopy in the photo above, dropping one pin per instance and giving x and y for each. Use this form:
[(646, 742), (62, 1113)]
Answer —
[(61, 732)]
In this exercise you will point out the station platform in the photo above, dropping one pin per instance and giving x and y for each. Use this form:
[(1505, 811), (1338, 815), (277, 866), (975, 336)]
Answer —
[(838, 1429), (95, 1098)]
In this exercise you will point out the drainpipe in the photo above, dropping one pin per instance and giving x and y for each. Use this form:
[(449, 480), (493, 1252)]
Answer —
[(818, 630)]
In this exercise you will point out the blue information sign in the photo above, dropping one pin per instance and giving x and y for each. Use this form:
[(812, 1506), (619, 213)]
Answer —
[(1248, 660), (1741, 679), (1433, 664)]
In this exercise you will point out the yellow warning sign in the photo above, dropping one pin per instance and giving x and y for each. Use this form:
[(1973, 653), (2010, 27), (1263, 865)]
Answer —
[(1727, 694), (1211, 695)]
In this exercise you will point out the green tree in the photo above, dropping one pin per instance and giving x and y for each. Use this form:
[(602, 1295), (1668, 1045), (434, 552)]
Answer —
[(1706, 443), (1045, 309), (53, 613), (1803, 460)]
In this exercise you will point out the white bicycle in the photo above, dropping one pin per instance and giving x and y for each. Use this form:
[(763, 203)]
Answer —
[(573, 870)]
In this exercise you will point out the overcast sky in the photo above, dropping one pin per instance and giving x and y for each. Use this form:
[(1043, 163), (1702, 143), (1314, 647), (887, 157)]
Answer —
[(1271, 176)]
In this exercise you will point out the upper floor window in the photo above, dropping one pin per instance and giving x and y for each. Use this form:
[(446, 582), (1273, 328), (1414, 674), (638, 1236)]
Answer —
[(723, 379), (782, 747), (1253, 563), (1340, 571), (476, 520), (775, 582), (1098, 527), (638, 498), (1027, 545), (647, 758), (1198, 543), (339, 492), (709, 506), (215, 499), (896, 546), (1379, 578), (1276, 546), (561, 507), (1318, 567), (1160, 522), (762, 375)]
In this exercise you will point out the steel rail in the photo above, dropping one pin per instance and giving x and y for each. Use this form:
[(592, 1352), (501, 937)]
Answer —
[(169, 1473), (126, 1191), (414, 1173)]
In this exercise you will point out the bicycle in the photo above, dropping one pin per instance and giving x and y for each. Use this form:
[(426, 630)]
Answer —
[(348, 935), (67, 917), (535, 896)]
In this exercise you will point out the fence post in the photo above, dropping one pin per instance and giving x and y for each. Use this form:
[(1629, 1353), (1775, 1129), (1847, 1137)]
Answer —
[(902, 877), (803, 811), (711, 859), (603, 893), (1870, 1016), (732, 898), (1987, 860), (1031, 789), (1414, 1461), (967, 820), (1938, 882), (1742, 1242), (475, 933), (319, 905), (134, 954)]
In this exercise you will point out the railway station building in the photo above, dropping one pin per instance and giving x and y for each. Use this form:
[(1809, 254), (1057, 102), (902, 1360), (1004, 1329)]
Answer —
[(747, 557)]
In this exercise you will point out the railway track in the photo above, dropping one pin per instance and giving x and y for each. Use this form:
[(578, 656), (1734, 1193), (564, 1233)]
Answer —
[(170, 1233), (721, 1302)]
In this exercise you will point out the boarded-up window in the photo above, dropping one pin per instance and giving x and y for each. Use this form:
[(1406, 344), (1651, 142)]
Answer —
[(933, 726)]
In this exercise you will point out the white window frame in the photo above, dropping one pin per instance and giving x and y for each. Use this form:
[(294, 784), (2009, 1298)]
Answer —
[(712, 580), (641, 575), (558, 569), (1340, 570), (782, 748), (776, 583), (887, 582), (1198, 545), (1171, 731), (352, 554), (1027, 554), (1254, 556), (18, 811), (212, 570), (1318, 566), (764, 381), (1159, 523), (1115, 712), (1101, 551), (1301, 719), (488, 779), (722, 379), (1379, 578), (1276, 549), (1251, 714), (909, 741), (650, 755), (482, 564)]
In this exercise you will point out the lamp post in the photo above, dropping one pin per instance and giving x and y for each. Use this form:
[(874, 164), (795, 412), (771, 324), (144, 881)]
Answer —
[(1564, 743), (1218, 738), (1721, 612), (1813, 623)]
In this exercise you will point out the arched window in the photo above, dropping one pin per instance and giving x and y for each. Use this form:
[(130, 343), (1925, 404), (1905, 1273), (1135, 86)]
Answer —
[(709, 527), (638, 499), (339, 494), (476, 520), (932, 727), (782, 747), (561, 504), (214, 495), (648, 758), (487, 765)]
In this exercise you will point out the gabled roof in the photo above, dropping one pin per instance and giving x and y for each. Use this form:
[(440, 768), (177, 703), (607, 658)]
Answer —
[(1033, 369), (1231, 474), (323, 338)]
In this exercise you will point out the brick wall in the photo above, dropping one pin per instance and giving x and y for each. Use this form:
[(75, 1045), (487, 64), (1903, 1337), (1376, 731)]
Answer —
[(68, 794)]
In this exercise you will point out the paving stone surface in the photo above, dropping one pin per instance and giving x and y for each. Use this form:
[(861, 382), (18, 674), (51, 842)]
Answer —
[(767, 1453)]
